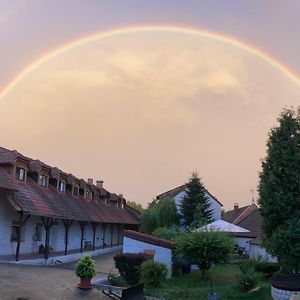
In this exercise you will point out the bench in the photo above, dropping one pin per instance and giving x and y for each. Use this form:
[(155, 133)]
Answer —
[(135, 292)]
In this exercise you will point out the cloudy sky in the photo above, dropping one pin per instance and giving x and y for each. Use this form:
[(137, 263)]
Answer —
[(141, 93)]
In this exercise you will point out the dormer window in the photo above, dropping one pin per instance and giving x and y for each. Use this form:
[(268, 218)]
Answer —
[(87, 194), (20, 173), (43, 180), (76, 190), (61, 186), (96, 196)]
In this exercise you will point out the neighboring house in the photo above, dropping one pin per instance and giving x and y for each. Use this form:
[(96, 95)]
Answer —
[(179, 192), (248, 217), (40, 204)]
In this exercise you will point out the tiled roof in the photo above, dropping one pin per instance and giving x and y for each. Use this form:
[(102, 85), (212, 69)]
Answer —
[(231, 215), (175, 191), (37, 200), (146, 238)]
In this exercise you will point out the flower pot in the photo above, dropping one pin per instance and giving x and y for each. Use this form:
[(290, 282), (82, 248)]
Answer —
[(85, 283)]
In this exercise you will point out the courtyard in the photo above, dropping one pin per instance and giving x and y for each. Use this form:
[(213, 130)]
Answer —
[(52, 282)]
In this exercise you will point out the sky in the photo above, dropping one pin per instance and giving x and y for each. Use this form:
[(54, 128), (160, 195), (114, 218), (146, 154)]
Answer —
[(179, 86)]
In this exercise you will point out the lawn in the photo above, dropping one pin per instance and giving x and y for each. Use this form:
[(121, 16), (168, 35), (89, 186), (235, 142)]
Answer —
[(225, 277)]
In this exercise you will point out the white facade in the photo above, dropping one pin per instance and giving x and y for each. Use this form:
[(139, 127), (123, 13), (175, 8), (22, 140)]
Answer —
[(162, 255), (214, 205), (29, 242)]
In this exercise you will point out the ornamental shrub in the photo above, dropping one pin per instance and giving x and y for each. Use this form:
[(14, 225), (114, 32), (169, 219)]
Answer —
[(268, 268), (128, 265), (86, 267), (152, 273), (247, 281)]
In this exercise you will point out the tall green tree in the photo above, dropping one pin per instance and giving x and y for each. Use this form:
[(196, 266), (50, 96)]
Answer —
[(195, 203), (279, 191), (162, 213), (136, 206)]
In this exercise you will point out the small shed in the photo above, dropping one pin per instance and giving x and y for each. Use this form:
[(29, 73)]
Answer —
[(137, 242)]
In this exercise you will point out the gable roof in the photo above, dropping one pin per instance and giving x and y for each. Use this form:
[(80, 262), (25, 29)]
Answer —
[(179, 189), (248, 217)]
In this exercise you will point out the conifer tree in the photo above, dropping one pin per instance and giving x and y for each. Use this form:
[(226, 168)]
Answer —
[(279, 191), (195, 202)]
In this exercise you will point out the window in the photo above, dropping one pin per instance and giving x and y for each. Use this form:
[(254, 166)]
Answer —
[(38, 231), (43, 180), (96, 196), (20, 173), (61, 186), (15, 227), (87, 194), (76, 190)]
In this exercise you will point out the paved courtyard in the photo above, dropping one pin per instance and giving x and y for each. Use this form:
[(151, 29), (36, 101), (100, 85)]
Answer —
[(55, 282)]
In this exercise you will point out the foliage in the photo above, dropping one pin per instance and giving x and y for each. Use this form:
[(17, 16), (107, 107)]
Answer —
[(247, 281), (195, 205), (268, 268), (226, 285), (153, 273), (116, 280), (166, 233), (136, 206), (279, 191), (86, 267), (128, 265), (247, 266), (163, 213), (204, 248)]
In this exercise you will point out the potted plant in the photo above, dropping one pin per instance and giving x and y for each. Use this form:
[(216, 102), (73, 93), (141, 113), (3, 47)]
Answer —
[(86, 270)]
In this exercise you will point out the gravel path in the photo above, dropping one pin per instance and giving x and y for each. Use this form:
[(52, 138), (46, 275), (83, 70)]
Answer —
[(55, 282)]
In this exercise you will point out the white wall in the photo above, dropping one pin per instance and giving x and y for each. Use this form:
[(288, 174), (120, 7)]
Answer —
[(243, 242), (214, 205), (57, 233), (258, 252), (162, 255)]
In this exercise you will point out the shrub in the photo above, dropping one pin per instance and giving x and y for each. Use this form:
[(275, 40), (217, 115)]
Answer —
[(247, 266), (153, 273), (116, 280), (204, 248), (165, 233), (86, 267), (268, 268), (247, 281), (128, 265)]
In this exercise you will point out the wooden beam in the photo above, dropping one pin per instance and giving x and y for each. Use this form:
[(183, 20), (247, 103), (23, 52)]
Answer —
[(103, 233), (111, 234), (82, 224), (48, 222), (22, 222), (67, 225), (94, 225)]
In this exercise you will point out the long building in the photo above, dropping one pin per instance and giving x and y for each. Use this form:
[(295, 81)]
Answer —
[(44, 209)]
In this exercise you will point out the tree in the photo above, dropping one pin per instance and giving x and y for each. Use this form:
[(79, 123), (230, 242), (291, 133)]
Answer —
[(279, 191), (195, 202), (136, 206), (163, 213), (204, 248)]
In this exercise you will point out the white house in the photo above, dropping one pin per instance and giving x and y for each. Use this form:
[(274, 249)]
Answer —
[(179, 192)]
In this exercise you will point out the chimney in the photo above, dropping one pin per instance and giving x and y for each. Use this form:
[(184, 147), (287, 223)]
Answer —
[(123, 203), (120, 202), (236, 207), (99, 184), (90, 181)]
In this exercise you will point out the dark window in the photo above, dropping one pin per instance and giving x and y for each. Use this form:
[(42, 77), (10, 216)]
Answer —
[(43, 180), (38, 232), (87, 194), (15, 227), (76, 191), (20, 173)]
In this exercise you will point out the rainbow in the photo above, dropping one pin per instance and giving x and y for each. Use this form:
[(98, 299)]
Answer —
[(150, 28)]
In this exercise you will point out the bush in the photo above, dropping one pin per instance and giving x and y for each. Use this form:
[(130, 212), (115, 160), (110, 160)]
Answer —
[(116, 280), (247, 281), (128, 265), (86, 267), (153, 273), (268, 268), (247, 266), (165, 233)]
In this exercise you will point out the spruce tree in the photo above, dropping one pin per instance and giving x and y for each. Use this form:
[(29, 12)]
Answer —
[(195, 202), (279, 191)]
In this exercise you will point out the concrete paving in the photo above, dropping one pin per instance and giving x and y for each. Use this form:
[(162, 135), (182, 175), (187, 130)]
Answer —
[(50, 282)]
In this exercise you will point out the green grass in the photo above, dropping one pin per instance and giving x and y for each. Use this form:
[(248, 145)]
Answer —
[(225, 278)]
